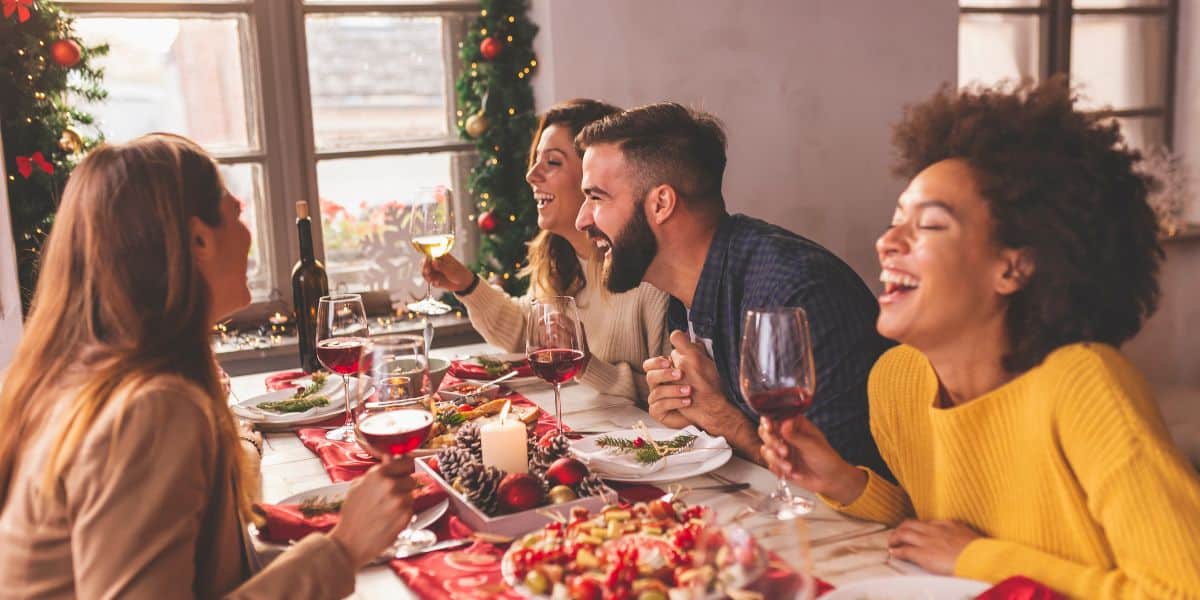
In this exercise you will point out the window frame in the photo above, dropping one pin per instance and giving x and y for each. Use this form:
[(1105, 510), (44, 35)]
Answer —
[(1055, 19), (275, 63)]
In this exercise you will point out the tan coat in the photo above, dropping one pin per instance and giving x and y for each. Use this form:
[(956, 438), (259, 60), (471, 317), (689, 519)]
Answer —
[(146, 511)]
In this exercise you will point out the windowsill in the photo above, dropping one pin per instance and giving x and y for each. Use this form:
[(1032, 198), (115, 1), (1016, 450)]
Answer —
[(1190, 231), (281, 354)]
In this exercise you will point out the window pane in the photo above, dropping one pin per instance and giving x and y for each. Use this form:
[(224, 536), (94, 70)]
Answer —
[(993, 47), (246, 182), (1117, 3), (1000, 3), (1142, 133), (1121, 61), (185, 75), (376, 79), (362, 208)]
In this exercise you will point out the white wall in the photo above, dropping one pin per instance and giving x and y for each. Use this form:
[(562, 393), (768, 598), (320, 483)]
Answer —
[(1168, 348), (10, 295), (806, 88)]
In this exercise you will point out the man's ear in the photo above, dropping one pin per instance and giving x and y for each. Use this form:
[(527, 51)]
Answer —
[(1019, 266), (662, 203)]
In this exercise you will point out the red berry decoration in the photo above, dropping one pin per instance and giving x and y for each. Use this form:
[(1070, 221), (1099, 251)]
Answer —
[(520, 491), (490, 47), (639, 442), (66, 53), (566, 471), (487, 222)]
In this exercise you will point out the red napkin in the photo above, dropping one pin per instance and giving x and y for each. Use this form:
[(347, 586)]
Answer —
[(1020, 588), (285, 522), (283, 380), (467, 370)]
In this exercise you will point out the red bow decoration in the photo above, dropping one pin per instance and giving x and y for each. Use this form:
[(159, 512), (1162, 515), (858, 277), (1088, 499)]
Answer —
[(25, 164), (21, 7)]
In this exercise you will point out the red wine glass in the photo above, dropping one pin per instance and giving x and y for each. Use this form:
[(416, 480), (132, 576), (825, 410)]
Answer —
[(778, 379), (341, 343), (555, 345)]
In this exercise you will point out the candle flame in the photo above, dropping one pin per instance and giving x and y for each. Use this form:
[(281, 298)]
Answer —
[(504, 411)]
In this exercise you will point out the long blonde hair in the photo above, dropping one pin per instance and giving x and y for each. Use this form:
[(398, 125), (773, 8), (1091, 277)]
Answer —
[(554, 268), (119, 301)]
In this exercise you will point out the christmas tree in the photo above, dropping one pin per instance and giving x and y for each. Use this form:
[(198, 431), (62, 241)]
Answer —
[(495, 109), (43, 68)]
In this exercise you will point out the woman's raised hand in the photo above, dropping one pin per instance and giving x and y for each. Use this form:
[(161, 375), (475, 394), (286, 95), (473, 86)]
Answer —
[(378, 507), (447, 273)]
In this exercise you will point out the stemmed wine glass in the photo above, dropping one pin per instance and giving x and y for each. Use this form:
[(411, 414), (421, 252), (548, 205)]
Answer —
[(341, 340), (555, 345), (399, 421), (431, 226), (778, 380)]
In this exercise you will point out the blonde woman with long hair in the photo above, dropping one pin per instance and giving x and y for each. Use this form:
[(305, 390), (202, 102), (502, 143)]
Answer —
[(623, 329), (121, 469)]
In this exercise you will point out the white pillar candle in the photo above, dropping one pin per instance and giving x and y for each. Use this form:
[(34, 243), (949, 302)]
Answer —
[(503, 444)]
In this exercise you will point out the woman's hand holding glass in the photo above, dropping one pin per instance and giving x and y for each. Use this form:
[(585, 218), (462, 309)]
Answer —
[(447, 273), (796, 450), (378, 506)]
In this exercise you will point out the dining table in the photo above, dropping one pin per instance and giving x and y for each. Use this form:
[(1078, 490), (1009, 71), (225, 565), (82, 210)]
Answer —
[(836, 548)]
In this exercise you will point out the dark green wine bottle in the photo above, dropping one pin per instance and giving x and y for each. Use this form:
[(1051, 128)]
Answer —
[(309, 283)]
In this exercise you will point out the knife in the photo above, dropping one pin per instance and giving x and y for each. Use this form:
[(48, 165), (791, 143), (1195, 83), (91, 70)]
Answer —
[(443, 545)]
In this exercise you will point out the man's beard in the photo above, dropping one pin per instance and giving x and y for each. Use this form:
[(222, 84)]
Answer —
[(631, 254)]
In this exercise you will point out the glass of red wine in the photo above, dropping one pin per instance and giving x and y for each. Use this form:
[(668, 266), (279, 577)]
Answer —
[(341, 343), (778, 379), (555, 345)]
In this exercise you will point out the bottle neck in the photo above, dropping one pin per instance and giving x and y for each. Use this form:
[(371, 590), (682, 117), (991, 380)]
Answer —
[(304, 227)]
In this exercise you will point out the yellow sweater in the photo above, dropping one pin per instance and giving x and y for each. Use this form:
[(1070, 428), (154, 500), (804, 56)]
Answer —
[(1067, 470)]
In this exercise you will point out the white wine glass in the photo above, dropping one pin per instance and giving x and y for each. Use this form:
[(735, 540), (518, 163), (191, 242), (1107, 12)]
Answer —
[(431, 229)]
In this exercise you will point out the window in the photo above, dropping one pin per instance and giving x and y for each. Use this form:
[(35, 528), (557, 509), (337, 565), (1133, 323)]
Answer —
[(349, 105), (1121, 51)]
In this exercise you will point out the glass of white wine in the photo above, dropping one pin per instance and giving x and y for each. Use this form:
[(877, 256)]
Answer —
[(431, 227)]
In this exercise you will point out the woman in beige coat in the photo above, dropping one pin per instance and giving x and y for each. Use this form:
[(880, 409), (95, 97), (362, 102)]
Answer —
[(121, 471)]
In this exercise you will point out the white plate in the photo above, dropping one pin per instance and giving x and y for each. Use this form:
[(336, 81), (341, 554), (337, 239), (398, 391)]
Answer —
[(506, 357), (913, 587), (332, 389), (337, 491), (666, 474)]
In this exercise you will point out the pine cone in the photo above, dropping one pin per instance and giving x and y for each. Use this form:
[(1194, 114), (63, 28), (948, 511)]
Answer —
[(480, 484), (558, 447), (591, 485), (451, 461), (467, 438)]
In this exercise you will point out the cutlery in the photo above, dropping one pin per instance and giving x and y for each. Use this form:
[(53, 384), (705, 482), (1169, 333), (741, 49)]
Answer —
[(443, 545), (724, 488), (491, 384)]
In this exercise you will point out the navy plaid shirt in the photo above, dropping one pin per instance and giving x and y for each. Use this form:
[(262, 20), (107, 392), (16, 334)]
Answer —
[(753, 264)]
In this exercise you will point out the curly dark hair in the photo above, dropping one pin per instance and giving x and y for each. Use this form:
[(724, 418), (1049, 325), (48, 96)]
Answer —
[(1061, 183)]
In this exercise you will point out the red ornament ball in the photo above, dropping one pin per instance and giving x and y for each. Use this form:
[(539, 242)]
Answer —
[(490, 47), (487, 222), (66, 53), (566, 471), (520, 491)]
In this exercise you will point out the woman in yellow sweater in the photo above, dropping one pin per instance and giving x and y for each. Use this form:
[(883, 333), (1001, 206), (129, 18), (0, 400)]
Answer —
[(1020, 255), (623, 330)]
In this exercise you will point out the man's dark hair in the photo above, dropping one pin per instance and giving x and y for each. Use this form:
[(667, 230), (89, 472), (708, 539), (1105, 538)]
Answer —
[(1061, 183), (667, 143)]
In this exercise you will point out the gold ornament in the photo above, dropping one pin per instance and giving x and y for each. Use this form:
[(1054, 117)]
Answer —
[(70, 141), (477, 124), (561, 494)]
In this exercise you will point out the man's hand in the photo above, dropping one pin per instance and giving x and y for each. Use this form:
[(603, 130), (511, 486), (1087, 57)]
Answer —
[(667, 396)]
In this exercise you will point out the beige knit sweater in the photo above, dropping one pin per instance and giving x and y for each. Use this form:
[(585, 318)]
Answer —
[(623, 330)]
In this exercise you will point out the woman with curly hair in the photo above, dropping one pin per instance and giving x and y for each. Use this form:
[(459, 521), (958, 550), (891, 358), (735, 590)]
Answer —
[(1021, 254), (623, 330)]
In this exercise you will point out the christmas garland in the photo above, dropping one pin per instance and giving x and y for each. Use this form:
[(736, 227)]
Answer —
[(43, 69), (495, 110)]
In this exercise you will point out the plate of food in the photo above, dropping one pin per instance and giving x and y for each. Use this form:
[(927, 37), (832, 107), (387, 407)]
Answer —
[(328, 499), (449, 416), (314, 398), (909, 587), (486, 367), (658, 549), (646, 455)]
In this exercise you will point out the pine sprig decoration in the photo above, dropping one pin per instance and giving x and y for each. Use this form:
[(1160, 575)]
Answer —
[(497, 182), (36, 107), (647, 452)]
